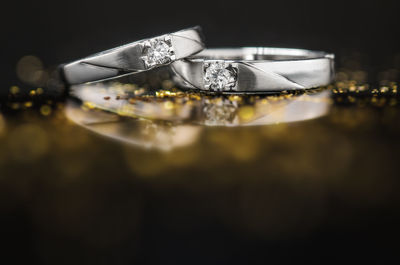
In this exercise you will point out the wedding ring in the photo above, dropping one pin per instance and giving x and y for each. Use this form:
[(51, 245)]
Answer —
[(134, 57), (253, 70)]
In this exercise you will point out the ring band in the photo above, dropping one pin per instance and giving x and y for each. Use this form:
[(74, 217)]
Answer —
[(252, 70), (135, 57)]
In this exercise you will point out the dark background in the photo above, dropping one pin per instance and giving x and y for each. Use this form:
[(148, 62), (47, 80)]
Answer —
[(61, 31)]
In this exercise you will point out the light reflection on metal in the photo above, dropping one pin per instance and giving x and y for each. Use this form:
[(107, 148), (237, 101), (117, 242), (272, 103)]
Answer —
[(192, 108), (169, 119), (138, 132)]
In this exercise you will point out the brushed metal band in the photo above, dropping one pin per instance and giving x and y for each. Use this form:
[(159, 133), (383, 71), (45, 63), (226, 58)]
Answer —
[(256, 69), (134, 57)]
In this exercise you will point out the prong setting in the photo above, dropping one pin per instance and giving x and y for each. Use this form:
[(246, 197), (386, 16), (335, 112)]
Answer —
[(219, 75), (157, 51)]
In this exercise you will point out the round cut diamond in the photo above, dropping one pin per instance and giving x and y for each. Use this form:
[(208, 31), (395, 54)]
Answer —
[(157, 51), (219, 76), (220, 112)]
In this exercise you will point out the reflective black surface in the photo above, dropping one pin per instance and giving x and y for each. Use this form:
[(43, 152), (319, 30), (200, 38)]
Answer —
[(149, 179)]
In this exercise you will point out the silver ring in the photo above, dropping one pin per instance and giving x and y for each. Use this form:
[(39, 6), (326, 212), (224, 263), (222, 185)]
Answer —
[(252, 70), (135, 57)]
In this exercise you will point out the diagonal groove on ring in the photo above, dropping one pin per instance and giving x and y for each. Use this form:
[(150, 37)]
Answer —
[(181, 76), (273, 73), (120, 70)]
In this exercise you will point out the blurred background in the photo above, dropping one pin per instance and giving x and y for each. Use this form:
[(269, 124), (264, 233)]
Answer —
[(62, 31), (322, 189)]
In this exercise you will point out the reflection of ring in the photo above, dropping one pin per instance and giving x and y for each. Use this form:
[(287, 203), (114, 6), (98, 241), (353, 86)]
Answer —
[(210, 110), (254, 70), (135, 57)]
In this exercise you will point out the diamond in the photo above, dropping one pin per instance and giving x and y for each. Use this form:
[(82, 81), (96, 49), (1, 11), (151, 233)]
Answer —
[(219, 112), (157, 51), (219, 75)]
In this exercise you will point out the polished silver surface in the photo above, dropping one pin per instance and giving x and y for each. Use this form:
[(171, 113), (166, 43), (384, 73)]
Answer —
[(134, 57), (254, 70), (178, 108)]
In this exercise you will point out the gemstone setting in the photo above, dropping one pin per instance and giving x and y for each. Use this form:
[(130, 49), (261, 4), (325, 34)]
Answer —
[(219, 75), (219, 112), (157, 51)]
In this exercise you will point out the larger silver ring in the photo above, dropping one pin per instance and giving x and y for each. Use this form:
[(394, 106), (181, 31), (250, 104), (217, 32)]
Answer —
[(135, 57), (252, 70)]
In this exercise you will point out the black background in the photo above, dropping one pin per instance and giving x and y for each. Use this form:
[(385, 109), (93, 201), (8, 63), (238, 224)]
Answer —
[(61, 31)]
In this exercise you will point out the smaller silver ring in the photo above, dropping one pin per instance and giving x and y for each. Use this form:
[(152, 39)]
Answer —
[(254, 70), (138, 56)]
